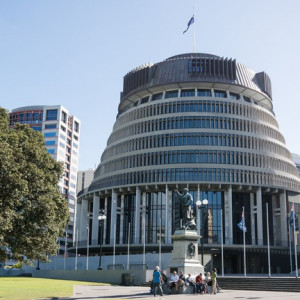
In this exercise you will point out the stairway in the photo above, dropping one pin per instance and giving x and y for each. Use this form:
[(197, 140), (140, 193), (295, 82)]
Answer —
[(287, 284)]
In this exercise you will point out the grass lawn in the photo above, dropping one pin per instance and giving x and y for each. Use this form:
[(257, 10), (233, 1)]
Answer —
[(24, 288)]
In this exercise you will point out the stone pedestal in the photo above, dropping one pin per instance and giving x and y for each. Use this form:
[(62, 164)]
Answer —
[(185, 252)]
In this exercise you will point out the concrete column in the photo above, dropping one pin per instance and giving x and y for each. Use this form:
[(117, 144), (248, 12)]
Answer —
[(114, 197), (283, 220), (83, 220), (260, 238), (122, 219), (105, 221), (252, 213), (228, 216), (136, 238), (95, 223)]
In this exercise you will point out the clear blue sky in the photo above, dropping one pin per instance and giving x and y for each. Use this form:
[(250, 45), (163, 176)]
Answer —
[(75, 53)]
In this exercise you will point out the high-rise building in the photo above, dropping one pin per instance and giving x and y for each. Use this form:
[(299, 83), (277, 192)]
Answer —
[(84, 179), (207, 123), (61, 132)]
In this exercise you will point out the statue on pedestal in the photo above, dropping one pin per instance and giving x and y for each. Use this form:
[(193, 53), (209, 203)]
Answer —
[(186, 199)]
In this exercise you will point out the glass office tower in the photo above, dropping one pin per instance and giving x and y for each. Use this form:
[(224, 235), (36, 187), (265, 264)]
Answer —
[(61, 132), (207, 123)]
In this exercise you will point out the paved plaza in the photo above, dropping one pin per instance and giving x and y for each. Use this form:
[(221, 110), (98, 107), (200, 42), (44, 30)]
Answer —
[(137, 292)]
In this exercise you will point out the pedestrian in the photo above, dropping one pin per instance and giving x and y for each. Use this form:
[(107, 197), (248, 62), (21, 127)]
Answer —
[(214, 281), (157, 280), (181, 278), (199, 284), (174, 281), (190, 281)]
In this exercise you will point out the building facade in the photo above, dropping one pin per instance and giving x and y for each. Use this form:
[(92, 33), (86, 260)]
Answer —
[(203, 122), (61, 133)]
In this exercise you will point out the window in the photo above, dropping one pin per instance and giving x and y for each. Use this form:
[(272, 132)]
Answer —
[(203, 93), (220, 94), (51, 114), (172, 94), (49, 134), (50, 126), (63, 128), (51, 151), (247, 99), (144, 100), (157, 96), (76, 126), (188, 93), (62, 136), (234, 96), (75, 145), (50, 143), (37, 128), (64, 117)]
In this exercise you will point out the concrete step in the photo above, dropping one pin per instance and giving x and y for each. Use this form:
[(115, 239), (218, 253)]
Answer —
[(287, 284)]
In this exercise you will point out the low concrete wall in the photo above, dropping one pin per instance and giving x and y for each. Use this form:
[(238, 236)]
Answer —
[(107, 276)]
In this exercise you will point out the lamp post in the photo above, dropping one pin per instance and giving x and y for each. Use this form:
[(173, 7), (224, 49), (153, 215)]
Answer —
[(101, 219), (202, 206), (87, 246)]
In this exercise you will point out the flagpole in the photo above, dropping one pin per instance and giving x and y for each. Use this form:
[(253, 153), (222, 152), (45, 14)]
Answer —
[(290, 242), (159, 262), (295, 245), (268, 239), (114, 250), (244, 243), (144, 239), (128, 246), (222, 250), (76, 251), (194, 39)]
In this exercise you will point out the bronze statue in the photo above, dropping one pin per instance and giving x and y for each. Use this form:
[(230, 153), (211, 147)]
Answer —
[(186, 198)]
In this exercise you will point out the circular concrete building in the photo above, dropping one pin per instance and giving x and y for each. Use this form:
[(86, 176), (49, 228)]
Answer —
[(207, 123)]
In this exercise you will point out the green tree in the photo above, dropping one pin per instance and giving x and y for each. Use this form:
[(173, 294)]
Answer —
[(33, 213)]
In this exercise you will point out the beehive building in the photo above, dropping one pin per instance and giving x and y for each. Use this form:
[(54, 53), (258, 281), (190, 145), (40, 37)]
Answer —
[(207, 123)]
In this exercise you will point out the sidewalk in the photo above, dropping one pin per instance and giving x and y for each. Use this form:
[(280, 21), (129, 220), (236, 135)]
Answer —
[(137, 292)]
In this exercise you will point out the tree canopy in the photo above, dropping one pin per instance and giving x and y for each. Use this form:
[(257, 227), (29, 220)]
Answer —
[(33, 212)]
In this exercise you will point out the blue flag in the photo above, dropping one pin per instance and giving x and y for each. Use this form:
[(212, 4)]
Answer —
[(191, 21), (241, 225), (292, 216)]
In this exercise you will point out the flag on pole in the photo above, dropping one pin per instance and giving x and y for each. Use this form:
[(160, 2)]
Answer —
[(292, 216), (241, 225), (191, 21)]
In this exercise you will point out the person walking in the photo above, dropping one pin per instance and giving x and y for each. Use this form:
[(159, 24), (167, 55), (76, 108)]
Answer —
[(157, 280), (214, 280)]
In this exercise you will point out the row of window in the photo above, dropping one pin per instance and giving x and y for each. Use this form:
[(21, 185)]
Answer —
[(25, 118), (62, 136), (198, 157), (52, 115), (210, 106), (201, 175), (195, 139), (192, 93), (196, 122)]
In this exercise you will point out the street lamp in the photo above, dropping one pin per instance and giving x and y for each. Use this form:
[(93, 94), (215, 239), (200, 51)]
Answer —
[(202, 206), (101, 219)]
